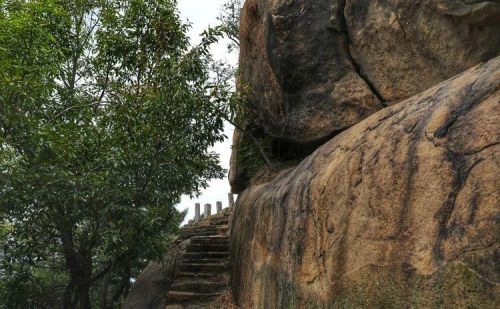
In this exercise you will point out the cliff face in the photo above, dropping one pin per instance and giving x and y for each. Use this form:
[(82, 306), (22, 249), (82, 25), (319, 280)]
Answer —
[(404, 47), (297, 62), (317, 67), (401, 208)]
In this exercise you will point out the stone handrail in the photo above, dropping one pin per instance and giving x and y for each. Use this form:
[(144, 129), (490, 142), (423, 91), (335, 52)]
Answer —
[(207, 211)]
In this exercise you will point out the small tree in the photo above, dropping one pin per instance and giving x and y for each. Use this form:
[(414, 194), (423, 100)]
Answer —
[(106, 116), (230, 22), (232, 105)]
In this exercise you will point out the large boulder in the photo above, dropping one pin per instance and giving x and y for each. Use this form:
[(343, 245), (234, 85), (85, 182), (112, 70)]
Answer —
[(150, 287), (317, 67), (295, 57), (404, 46), (399, 211)]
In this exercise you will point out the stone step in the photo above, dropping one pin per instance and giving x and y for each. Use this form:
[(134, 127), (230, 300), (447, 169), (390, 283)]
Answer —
[(215, 237), (212, 221), (204, 233), (203, 275), (208, 231), (182, 296), (207, 248), (221, 221), (215, 218), (200, 255), (209, 240), (199, 228), (197, 285), (210, 268), (204, 260)]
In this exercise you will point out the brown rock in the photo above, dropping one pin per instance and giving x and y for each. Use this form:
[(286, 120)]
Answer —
[(293, 54), (149, 290), (317, 67), (237, 177), (401, 210), (404, 47)]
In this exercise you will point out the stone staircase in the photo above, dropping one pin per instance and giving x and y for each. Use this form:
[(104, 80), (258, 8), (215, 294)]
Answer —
[(203, 271)]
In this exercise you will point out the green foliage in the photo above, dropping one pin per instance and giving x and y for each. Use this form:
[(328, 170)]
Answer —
[(249, 157), (106, 118), (230, 22)]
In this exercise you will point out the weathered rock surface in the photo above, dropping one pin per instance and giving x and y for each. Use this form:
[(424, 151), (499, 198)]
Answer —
[(317, 66), (295, 57), (404, 46), (401, 210), (149, 290)]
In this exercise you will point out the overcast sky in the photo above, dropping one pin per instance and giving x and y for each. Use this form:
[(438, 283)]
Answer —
[(201, 14)]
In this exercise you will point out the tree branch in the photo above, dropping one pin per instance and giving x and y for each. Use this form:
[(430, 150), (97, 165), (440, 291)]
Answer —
[(253, 139), (69, 109)]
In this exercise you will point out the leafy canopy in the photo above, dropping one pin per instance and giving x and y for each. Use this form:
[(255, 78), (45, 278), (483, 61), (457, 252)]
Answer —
[(106, 118)]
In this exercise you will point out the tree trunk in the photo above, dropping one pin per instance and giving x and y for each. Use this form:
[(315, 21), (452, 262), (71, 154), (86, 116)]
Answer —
[(68, 297), (254, 140), (104, 293), (84, 296), (77, 293)]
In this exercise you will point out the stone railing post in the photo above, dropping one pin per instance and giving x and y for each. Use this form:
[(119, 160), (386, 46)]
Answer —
[(197, 212), (208, 210), (219, 207), (230, 198)]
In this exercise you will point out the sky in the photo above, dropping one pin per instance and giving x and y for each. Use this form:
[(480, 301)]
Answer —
[(201, 14)]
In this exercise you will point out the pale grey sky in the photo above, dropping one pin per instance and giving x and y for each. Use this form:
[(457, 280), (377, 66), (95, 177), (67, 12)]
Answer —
[(201, 14)]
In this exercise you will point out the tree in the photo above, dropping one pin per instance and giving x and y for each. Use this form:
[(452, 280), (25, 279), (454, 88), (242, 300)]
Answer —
[(232, 105), (106, 117), (230, 22)]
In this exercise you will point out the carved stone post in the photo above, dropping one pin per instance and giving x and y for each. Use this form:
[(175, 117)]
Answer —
[(219, 207), (197, 212), (208, 210), (230, 198)]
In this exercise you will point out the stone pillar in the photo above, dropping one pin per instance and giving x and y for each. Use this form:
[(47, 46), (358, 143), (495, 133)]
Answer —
[(208, 210), (219, 207), (197, 212), (230, 197)]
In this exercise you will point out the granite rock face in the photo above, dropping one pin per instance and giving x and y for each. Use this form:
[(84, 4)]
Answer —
[(317, 67), (404, 46), (397, 206), (149, 290), (295, 57), (400, 210)]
